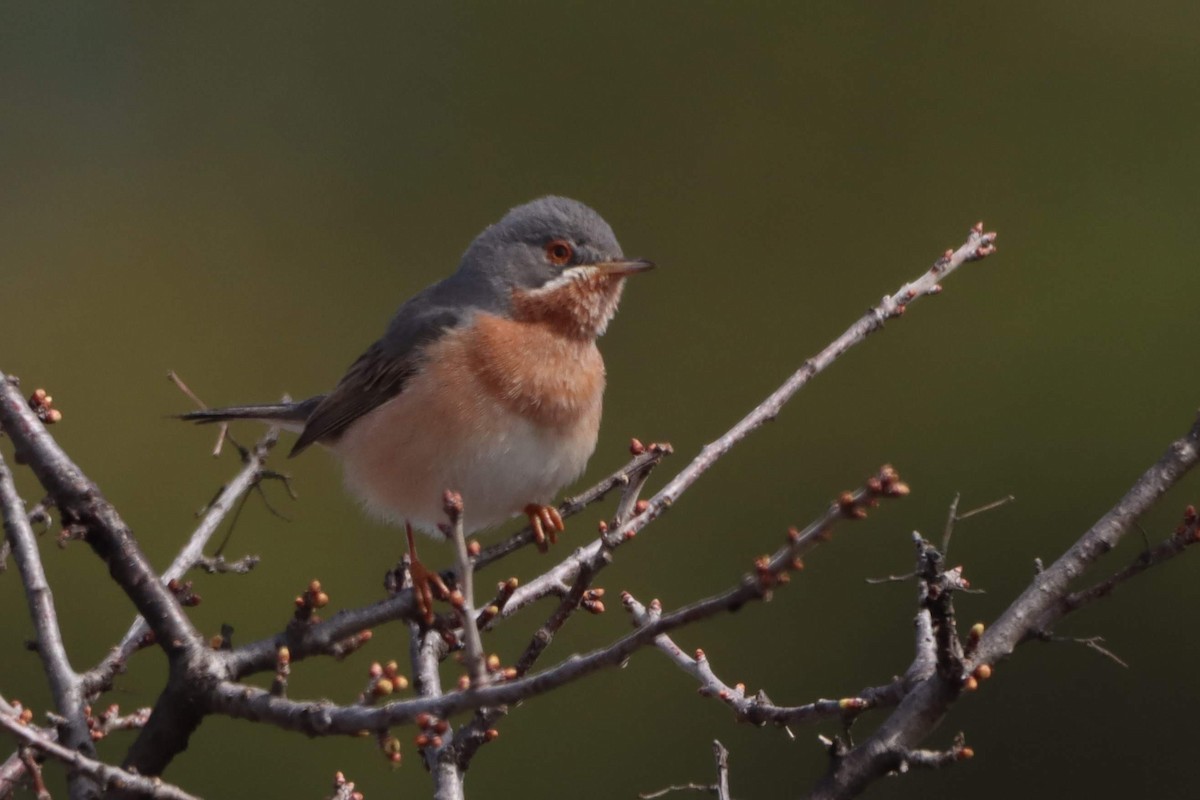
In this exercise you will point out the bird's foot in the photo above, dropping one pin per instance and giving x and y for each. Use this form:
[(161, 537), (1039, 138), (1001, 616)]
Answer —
[(546, 522), (425, 582)]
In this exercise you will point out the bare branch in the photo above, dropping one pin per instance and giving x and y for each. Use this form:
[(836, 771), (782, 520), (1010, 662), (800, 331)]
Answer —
[(1033, 613), (323, 718), (65, 685), (1185, 536), (756, 709), (82, 505), (193, 552), (106, 776), (978, 245)]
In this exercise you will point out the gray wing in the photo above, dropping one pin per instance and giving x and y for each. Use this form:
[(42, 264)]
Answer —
[(380, 373)]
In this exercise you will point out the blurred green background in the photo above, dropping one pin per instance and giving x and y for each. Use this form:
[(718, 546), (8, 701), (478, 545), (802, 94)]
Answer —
[(245, 193)]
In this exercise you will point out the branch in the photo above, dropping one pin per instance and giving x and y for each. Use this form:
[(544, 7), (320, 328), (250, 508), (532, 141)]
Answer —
[(978, 245), (106, 776), (636, 471), (324, 718), (64, 683), (192, 553), (1033, 613), (757, 710), (83, 507)]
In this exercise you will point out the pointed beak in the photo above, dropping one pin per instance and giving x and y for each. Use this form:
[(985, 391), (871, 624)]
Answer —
[(624, 267)]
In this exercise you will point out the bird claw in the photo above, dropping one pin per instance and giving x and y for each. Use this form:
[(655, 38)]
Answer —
[(426, 584), (546, 522)]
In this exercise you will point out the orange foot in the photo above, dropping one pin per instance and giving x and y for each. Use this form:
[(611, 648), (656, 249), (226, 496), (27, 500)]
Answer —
[(546, 521), (424, 582)]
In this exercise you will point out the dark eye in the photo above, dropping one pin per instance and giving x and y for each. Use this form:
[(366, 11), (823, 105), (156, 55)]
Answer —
[(559, 252)]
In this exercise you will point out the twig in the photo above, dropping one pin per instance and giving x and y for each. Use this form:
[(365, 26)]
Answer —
[(757, 709), (1003, 501), (322, 719), (978, 245), (908, 576), (65, 685), (1185, 536), (1035, 611), (720, 788), (108, 777), (638, 469), (465, 604), (82, 505), (222, 431), (1091, 642), (427, 651), (218, 565), (680, 787), (344, 789), (34, 770), (721, 755), (951, 518), (193, 550)]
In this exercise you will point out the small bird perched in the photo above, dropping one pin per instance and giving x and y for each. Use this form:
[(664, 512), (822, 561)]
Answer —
[(488, 383)]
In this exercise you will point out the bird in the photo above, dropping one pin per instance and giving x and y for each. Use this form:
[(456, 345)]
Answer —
[(487, 383)]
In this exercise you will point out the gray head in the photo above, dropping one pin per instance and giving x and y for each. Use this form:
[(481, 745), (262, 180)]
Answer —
[(553, 259), (537, 242)]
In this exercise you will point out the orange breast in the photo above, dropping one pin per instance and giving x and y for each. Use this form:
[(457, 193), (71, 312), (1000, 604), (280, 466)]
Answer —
[(551, 379), (506, 413)]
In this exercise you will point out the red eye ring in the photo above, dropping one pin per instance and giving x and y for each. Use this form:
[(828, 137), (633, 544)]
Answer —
[(559, 252)]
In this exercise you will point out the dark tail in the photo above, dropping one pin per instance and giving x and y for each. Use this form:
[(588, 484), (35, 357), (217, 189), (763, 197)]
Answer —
[(267, 412)]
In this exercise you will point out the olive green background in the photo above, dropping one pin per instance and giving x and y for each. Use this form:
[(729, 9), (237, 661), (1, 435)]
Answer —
[(244, 193)]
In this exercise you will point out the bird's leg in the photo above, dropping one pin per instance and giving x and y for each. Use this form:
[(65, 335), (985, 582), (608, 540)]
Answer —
[(423, 581), (546, 522)]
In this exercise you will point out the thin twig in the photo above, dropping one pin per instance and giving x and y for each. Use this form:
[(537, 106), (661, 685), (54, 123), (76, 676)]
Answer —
[(721, 755), (951, 518), (1003, 501), (636, 470), (193, 551), (223, 428), (1091, 642), (472, 644), (720, 788)]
